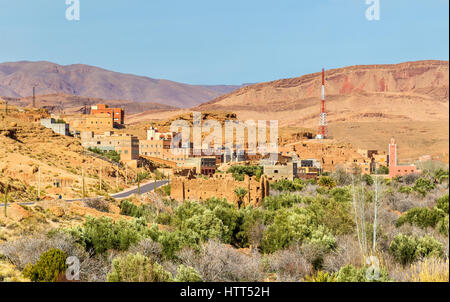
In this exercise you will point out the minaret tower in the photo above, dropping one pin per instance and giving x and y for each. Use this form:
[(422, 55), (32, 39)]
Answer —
[(323, 118)]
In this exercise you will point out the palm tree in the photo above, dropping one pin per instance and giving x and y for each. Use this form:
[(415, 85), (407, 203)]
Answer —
[(240, 193)]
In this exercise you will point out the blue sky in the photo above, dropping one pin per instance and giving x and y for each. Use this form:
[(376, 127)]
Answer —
[(226, 41)]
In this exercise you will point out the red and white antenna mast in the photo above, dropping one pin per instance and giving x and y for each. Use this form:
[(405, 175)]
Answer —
[(323, 118)]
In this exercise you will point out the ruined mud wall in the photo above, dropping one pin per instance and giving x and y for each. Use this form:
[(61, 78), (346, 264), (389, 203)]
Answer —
[(221, 186)]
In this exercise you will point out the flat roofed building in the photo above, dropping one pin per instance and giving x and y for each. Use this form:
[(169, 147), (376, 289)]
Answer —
[(279, 172), (126, 145), (205, 165), (117, 114)]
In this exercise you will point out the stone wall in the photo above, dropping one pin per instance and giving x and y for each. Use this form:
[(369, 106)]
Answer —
[(221, 186)]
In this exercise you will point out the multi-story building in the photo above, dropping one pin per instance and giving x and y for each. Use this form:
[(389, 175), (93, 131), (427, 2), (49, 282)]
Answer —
[(96, 123), (364, 166), (279, 172), (159, 145), (308, 168), (118, 114), (126, 145)]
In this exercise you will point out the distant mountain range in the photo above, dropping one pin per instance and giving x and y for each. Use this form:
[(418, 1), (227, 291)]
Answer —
[(367, 105), (17, 79), (406, 91)]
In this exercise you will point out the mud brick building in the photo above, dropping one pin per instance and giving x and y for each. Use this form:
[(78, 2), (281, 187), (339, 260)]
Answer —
[(221, 186)]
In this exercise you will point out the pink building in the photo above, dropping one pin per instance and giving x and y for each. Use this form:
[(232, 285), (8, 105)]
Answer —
[(395, 169)]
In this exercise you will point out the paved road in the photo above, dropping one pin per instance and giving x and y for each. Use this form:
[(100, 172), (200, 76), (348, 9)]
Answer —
[(145, 188)]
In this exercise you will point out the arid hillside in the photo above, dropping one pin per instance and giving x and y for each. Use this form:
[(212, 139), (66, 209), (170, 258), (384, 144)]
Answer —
[(25, 146), (72, 104), (407, 91), (367, 105), (17, 79)]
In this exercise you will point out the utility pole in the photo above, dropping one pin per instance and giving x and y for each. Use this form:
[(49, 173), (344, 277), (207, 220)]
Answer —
[(39, 182), (139, 185), (6, 197), (126, 174), (82, 184), (138, 178), (117, 177), (34, 96), (100, 172)]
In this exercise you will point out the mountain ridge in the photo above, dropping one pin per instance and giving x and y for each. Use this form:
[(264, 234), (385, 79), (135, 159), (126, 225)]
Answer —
[(17, 78)]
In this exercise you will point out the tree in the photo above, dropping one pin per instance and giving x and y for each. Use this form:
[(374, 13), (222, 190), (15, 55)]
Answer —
[(50, 266), (187, 274), (341, 177), (382, 170), (327, 182), (137, 268), (240, 194)]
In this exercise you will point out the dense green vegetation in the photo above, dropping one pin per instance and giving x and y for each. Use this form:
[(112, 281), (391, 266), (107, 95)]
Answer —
[(407, 249), (112, 155), (240, 171), (317, 232), (287, 185)]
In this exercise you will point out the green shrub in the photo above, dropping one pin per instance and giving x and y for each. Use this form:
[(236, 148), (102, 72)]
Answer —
[(441, 175), (167, 189), (285, 185), (249, 219), (171, 242), (368, 179), (240, 171), (382, 170), (442, 203), (341, 194), (112, 155), (137, 268), (421, 217), (49, 268), (128, 208), (405, 189), (187, 274), (327, 182), (102, 234), (349, 273), (321, 276), (274, 203), (294, 227), (164, 218), (443, 227), (215, 218), (407, 249), (335, 216), (423, 186)]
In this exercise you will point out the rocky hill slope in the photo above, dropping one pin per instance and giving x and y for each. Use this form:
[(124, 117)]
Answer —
[(413, 90)]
